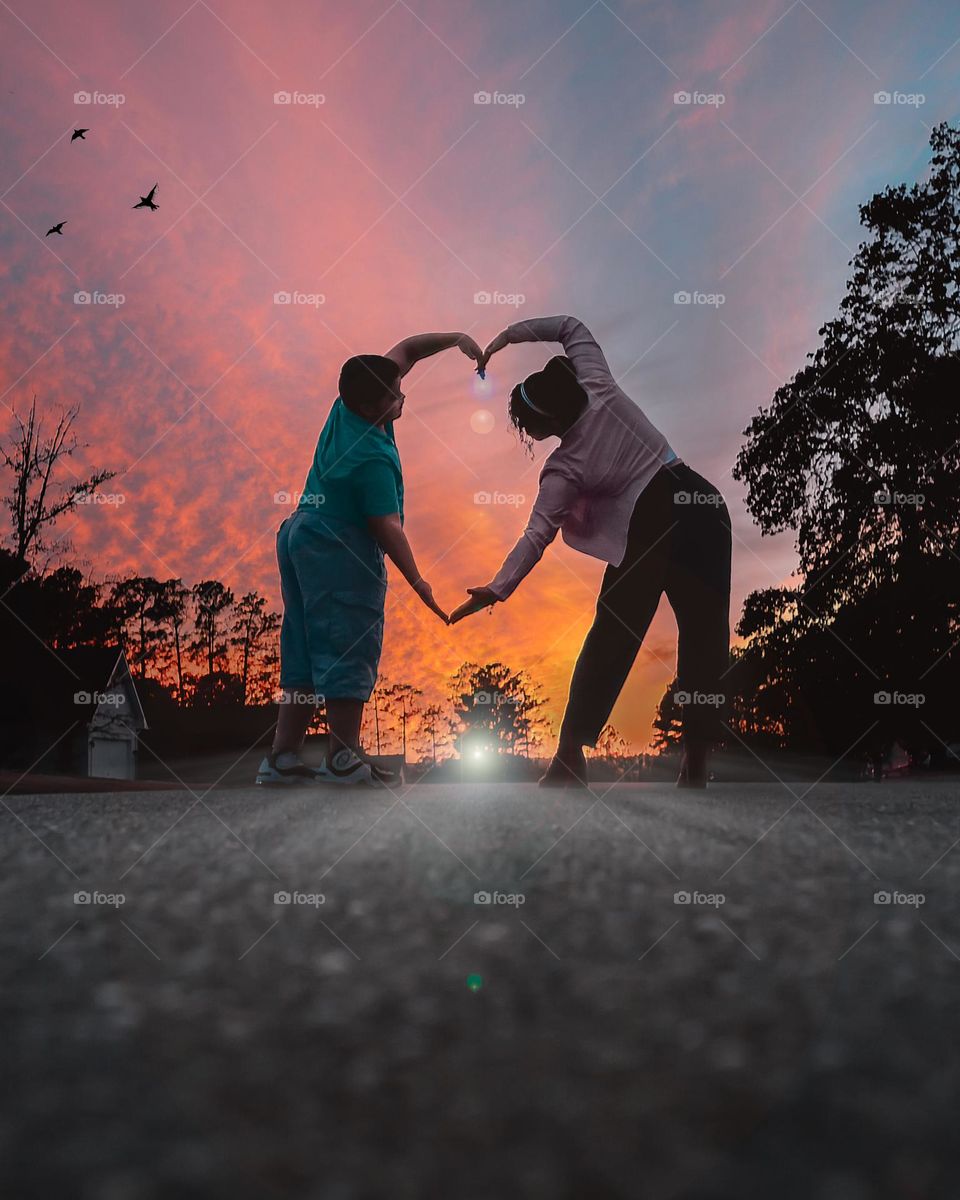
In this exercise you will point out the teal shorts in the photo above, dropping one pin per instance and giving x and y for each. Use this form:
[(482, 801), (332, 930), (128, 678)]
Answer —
[(334, 584)]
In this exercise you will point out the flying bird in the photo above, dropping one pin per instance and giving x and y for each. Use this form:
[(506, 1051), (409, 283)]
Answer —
[(147, 200), (78, 133), (56, 229)]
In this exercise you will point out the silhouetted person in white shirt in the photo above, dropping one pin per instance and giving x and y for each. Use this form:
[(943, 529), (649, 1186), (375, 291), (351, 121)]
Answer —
[(618, 492)]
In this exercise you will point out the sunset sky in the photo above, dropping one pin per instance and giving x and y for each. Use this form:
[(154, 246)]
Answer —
[(390, 192)]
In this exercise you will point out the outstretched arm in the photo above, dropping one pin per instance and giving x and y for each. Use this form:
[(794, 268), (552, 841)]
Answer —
[(556, 497), (423, 345), (578, 342), (389, 533)]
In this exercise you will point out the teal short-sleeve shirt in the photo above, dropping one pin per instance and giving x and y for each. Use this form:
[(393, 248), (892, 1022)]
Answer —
[(356, 472)]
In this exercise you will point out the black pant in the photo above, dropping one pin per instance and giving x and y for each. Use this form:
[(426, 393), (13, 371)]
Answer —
[(679, 543)]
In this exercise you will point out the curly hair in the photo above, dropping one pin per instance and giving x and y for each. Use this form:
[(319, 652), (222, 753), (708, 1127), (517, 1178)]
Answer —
[(556, 391)]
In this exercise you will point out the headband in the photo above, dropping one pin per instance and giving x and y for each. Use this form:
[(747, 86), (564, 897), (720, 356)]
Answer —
[(530, 403)]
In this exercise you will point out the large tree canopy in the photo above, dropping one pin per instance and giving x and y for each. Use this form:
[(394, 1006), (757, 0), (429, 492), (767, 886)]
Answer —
[(860, 451), (860, 454)]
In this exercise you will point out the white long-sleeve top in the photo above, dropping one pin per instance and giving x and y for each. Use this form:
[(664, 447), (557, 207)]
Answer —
[(590, 483)]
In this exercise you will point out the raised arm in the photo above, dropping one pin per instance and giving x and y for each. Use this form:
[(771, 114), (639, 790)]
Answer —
[(423, 345), (578, 343)]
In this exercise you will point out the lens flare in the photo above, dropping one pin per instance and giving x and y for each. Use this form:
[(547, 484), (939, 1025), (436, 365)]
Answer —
[(482, 421)]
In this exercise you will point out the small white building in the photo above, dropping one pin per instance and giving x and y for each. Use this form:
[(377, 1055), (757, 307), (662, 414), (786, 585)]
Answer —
[(113, 731)]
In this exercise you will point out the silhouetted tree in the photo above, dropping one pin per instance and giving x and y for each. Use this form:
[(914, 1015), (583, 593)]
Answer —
[(255, 637), (668, 723), (169, 611), (210, 641), (39, 496), (495, 701), (134, 600), (433, 729), (860, 454), (400, 699)]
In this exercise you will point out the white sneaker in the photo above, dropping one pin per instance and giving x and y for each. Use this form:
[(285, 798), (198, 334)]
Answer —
[(285, 769), (349, 767)]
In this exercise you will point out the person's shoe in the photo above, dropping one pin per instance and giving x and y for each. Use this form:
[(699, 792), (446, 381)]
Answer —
[(285, 769), (381, 775), (568, 771), (352, 767)]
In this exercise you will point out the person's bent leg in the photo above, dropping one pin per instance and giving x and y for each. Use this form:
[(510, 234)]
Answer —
[(698, 589), (628, 600), (604, 662)]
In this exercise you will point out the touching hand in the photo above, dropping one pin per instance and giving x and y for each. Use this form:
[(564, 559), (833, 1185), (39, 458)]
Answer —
[(498, 343), (425, 592), (480, 597), (472, 350)]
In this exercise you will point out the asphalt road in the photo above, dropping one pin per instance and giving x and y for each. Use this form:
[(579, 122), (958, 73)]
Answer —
[(782, 1035)]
